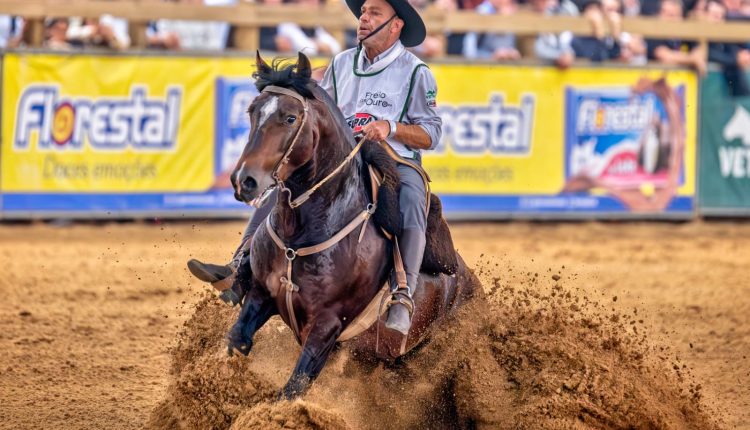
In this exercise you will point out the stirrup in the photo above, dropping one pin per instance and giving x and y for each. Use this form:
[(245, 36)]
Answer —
[(402, 296)]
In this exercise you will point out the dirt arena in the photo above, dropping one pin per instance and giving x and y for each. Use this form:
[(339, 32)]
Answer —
[(632, 324)]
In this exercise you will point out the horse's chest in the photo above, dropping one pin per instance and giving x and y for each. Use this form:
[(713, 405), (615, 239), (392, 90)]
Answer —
[(306, 272)]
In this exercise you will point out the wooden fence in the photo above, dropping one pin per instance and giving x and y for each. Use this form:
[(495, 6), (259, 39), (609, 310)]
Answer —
[(247, 18)]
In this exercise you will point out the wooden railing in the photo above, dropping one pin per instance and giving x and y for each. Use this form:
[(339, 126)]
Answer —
[(336, 18)]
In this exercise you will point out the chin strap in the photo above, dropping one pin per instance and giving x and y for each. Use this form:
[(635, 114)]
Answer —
[(378, 28)]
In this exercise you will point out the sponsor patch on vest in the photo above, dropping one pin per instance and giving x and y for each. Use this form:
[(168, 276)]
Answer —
[(376, 98), (359, 120), (431, 97)]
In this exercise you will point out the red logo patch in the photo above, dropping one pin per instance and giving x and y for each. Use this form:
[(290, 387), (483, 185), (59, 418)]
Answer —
[(359, 120)]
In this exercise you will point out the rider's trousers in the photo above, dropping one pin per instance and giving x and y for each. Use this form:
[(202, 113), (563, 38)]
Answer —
[(412, 201)]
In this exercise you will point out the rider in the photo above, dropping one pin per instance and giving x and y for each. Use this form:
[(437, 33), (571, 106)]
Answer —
[(389, 95)]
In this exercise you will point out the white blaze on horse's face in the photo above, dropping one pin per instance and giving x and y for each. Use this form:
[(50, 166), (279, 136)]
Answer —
[(268, 108)]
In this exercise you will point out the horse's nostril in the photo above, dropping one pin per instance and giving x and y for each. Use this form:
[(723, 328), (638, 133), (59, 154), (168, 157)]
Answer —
[(249, 183)]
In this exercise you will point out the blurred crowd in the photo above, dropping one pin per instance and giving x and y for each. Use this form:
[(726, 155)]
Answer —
[(607, 43)]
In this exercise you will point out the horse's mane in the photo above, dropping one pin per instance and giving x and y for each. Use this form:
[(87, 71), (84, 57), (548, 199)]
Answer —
[(283, 73)]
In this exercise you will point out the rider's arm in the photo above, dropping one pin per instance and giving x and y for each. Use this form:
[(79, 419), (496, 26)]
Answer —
[(421, 126), (413, 136)]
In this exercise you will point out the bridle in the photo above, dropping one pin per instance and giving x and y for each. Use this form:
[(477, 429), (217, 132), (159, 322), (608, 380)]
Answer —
[(285, 158)]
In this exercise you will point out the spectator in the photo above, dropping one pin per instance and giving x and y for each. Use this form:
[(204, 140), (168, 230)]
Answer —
[(455, 41), (745, 9), (669, 51), (11, 29), (268, 34), (631, 8), (550, 46), (734, 59), (496, 46), (650, 7), (592, 11), (55, 34), (632, 47), (734, 10), (291, 38), (432, 46), (158, 37), (600, 47), (187, 34), (106, 31)]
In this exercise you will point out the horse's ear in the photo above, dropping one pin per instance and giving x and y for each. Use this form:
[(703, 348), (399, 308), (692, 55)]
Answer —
[(303, 66), (261, 65)]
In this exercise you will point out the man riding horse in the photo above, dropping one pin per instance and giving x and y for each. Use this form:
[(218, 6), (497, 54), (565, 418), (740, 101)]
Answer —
[(387, 94)]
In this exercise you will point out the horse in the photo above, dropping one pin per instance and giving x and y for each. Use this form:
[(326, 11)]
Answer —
[(299, 142)]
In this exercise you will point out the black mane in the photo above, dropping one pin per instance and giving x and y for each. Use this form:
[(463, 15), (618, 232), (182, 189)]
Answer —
[(283, 73)]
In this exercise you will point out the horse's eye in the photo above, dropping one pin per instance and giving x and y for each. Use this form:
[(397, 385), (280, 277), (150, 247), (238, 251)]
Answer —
[(290, 119)]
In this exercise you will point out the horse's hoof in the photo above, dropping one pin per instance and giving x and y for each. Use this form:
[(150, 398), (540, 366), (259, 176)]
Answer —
[(285, 394), (242, 348)]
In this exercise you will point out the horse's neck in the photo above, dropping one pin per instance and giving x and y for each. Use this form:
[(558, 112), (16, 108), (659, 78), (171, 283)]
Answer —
[(332, 206)]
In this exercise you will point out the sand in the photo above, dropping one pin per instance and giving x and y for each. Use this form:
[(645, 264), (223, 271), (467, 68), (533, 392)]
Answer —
[(588, 325)]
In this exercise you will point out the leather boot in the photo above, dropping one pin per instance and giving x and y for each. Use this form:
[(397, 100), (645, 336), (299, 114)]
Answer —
[(222, 276), (208, 272), (411, 243)]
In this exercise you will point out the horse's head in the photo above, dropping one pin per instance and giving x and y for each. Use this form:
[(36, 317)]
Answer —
[(285, 127)]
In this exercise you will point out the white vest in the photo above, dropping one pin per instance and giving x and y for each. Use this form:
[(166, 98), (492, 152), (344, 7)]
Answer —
[(382, 93)]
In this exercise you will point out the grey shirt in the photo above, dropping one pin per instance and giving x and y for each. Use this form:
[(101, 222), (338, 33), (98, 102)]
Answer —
[(420, 110)]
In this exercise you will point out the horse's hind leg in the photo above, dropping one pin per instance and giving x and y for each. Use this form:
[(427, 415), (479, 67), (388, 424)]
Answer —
[(315, 352), (257, 308)]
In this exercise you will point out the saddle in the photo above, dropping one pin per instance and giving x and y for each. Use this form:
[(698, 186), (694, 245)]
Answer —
[(382, 161)]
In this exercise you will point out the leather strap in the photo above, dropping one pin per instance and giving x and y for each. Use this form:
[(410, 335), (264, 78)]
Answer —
[(367, 317), (225, 284), (285, 158), (398, 266), (306, 195), (291, 254), (285, 91)]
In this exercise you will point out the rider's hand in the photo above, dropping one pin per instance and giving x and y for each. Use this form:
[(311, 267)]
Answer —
[(377, 130)]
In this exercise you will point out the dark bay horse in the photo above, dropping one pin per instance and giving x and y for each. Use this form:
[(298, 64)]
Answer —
[(300, 141)]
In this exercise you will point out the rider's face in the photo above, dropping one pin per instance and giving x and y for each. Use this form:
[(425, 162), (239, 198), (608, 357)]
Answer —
[(375, 13)]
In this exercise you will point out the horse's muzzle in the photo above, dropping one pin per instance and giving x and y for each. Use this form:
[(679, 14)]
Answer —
[(245, 186)]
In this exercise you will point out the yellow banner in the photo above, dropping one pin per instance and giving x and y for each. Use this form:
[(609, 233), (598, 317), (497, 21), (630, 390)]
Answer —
[(504, 127), (110, 124)]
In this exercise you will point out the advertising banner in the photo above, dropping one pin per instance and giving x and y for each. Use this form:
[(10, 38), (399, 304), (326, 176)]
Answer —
[(159, 135), (537, 140), (724, 151), (112, 135)]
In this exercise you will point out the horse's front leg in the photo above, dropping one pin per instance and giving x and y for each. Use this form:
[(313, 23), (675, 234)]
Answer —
[(257, 308), (324, 331)]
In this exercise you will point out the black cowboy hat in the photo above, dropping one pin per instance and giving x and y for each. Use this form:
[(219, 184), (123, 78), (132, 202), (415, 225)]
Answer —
[(414, 30)]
